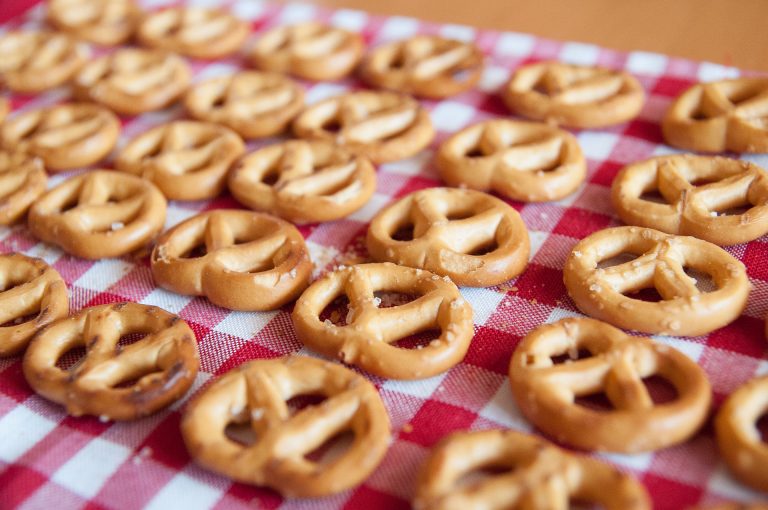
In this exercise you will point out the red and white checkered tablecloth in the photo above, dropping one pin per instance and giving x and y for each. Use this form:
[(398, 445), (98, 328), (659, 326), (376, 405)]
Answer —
[(50, 460)]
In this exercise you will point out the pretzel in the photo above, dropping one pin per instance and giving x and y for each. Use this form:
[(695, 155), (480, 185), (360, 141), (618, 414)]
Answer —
[(574, 96), (22, 181), (469, 236), (254, 104), (33, 295), (193, 31), (131, 81), (606, 293), (35, 61), (5, 108), (99, 214), (249, 261), (187, 160), (616, 365), (113, 381), (65, 136), (106, 22), (728, 115), (525, 161), (309, 50), (424, 65), (255, 395), (303, 181), (691, 209), (531, 474)]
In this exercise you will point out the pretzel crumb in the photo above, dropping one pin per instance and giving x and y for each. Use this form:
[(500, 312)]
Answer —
[(117, 225), (577, 254), (257, 413), (104, 418)]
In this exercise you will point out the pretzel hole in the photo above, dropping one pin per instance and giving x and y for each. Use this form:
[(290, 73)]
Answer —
[(482, 473), (649, 294), (337, 311), (134, 379), (299, 402), (653, 195), (271, 177), (484, 248), (660, 389), (20, 320), (762, 428), (704, 281), (128, 339), (568, 357), (240, 433), (333, 448), (418, 340), (459, 214), (699, 114), (617, 260), (733, 210), (198, 250), (595, 402), (71, 359), (332, 125), (388, 298), (403, 232), (475, 152)]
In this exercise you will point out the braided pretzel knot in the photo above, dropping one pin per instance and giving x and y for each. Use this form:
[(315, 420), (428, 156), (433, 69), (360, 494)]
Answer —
[(193, 31), (368, 337), (254, 104), (382, 126), (29, 286), (738, 437), (617, 364), (107, 22), (538, 476), (661, 261), (472, 237), (574, 96), (310, 50), (424, 65), (113, 381), (303, 181), (524, 161), (99, 214), (22, 181), (718, 116), (187, 160), (692, 209), (256, 394), (131, 81), (66, 136), (34, 61), (249, 261)]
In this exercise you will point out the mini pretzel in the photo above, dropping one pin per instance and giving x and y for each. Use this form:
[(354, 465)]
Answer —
[(574, 96), (99, 214), (617, 364), (35, 61), (691, 209), (193, 31), (310, 50), (33, 296), (113, 381), (524, 161), (424, 65), (472, 237), (22, 181), (382, 126), (254, 104), (606, 293), (65, 136), (107, 22), (255, 395), (728, 115), (303, 181), (369, 334), (131, 81), (238, 259), (531, 474), (187, 160)]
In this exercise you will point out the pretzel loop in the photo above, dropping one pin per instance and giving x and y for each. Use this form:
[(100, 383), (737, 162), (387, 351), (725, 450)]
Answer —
[(107, 22), (22, 181)]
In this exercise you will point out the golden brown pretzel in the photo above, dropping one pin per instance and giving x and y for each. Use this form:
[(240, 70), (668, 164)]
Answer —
[(22, 181), (738, 437), (238, 259), (187, 160), (34, 61), (728, 115), (531, 474), (526, 161), (367, 338), (699, 210), (615, 365), (309, 50), (5, 108), (574, 96), (131, 81), (254, 104), (33, 295), (255, 395), (303, 181), (113, 381), (382, 126), (197, 32), (472, 237), (65, 136), (99, 214), (424, 65), (605, 293), (107, 22)]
